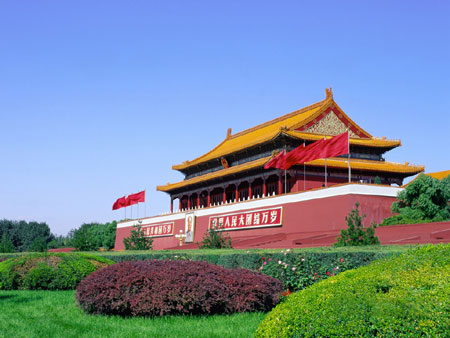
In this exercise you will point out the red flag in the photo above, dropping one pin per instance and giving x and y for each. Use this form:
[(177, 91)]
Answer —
[(336, 146), (120, 203), (276, 161), (303, 154), (136, 198)]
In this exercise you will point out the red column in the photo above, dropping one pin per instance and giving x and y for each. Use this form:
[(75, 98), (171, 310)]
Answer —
[(224, 195), (249, 190), (171, 205), (189, 202), (198, 200), (264, 187), (236, 193), (280, 184), (179, 203), (208, 204)]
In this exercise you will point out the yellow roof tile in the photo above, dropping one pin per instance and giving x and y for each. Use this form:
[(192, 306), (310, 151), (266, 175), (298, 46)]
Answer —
[(220, 173), (370, 142), (255, 135), (439, 174), (331, 162), (284, 124)]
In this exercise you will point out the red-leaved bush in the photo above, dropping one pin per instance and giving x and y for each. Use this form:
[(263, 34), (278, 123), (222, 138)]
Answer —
[(157, 288)]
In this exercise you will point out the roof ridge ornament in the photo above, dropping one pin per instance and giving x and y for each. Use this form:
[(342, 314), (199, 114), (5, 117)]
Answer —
[(329, 93), (229, 133)]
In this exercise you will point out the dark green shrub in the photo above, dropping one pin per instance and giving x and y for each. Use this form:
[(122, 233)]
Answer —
[(137, 240), (213, 239), (48, 271), (157, 288), (6, 244), (404, 296), (311, 265), (356, 234), (424, 200)]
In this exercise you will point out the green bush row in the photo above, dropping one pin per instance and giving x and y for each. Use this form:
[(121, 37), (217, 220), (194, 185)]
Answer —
[(295, 268), (404, 296), (48, 271)]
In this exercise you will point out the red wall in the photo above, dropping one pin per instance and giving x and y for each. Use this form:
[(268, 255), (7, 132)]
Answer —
[(311, 216)]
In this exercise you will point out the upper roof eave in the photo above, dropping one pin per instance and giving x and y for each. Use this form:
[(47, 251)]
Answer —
[(207, 156), (334, 162)]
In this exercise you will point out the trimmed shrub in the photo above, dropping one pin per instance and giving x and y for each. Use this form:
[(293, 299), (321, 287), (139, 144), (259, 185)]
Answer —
[(404, 296), (137, 239), (157, 288), (356, 233), (213, 239), (311, 265), (48, 271)]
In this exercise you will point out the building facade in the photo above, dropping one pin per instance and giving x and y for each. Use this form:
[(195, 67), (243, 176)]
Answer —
[(228, 186)]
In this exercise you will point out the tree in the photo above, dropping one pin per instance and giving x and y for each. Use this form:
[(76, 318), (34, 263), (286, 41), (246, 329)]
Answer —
[(109, 235), (6, 244), (356, 234), (22, 234), (83, 239), (137, 239), (39, 245), (424, 200), (214, 239)]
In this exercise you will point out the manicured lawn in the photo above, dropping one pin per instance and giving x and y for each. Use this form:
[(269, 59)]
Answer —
[(55, 314)]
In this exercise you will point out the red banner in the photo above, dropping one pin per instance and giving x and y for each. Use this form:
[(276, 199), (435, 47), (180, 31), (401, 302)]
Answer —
[(335, 146), (276, 162), (158, 230), (120, 203), (250, 219), (136, 198)]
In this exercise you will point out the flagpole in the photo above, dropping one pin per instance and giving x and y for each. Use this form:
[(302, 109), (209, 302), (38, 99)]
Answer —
[(285, 171), (348, 159), (304, 171), (325, 172)]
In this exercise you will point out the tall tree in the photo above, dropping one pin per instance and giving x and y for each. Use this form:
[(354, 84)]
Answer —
[(425, 199)]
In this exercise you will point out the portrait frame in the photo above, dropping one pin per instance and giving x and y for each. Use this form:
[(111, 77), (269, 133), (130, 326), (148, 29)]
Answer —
[(189, 221)]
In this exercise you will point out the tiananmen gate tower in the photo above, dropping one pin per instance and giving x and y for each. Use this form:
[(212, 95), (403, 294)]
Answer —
[(229, 188)]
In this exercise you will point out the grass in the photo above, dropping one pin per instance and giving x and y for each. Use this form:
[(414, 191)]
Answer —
[(55, 314)]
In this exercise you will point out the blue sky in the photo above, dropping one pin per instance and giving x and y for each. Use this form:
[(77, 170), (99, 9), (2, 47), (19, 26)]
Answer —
[(99, 98)]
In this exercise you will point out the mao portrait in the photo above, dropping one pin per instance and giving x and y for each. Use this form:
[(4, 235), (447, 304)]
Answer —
[(189, 228)]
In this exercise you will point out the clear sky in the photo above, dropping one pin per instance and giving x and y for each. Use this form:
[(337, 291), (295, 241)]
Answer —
[(99, 98)]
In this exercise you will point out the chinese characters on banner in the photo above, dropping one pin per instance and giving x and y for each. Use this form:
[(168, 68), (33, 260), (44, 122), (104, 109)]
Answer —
[(250, 219), (158, 230)]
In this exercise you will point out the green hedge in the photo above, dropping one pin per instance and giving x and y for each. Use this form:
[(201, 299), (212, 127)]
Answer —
[(48, 271), (297, 269), (404, 296)]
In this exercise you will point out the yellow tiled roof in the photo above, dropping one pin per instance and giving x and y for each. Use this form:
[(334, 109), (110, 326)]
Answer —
[(331, 162), (370, 142), (286, 123), (255, 135), (439, 174), (391, 167), (220, 173)]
